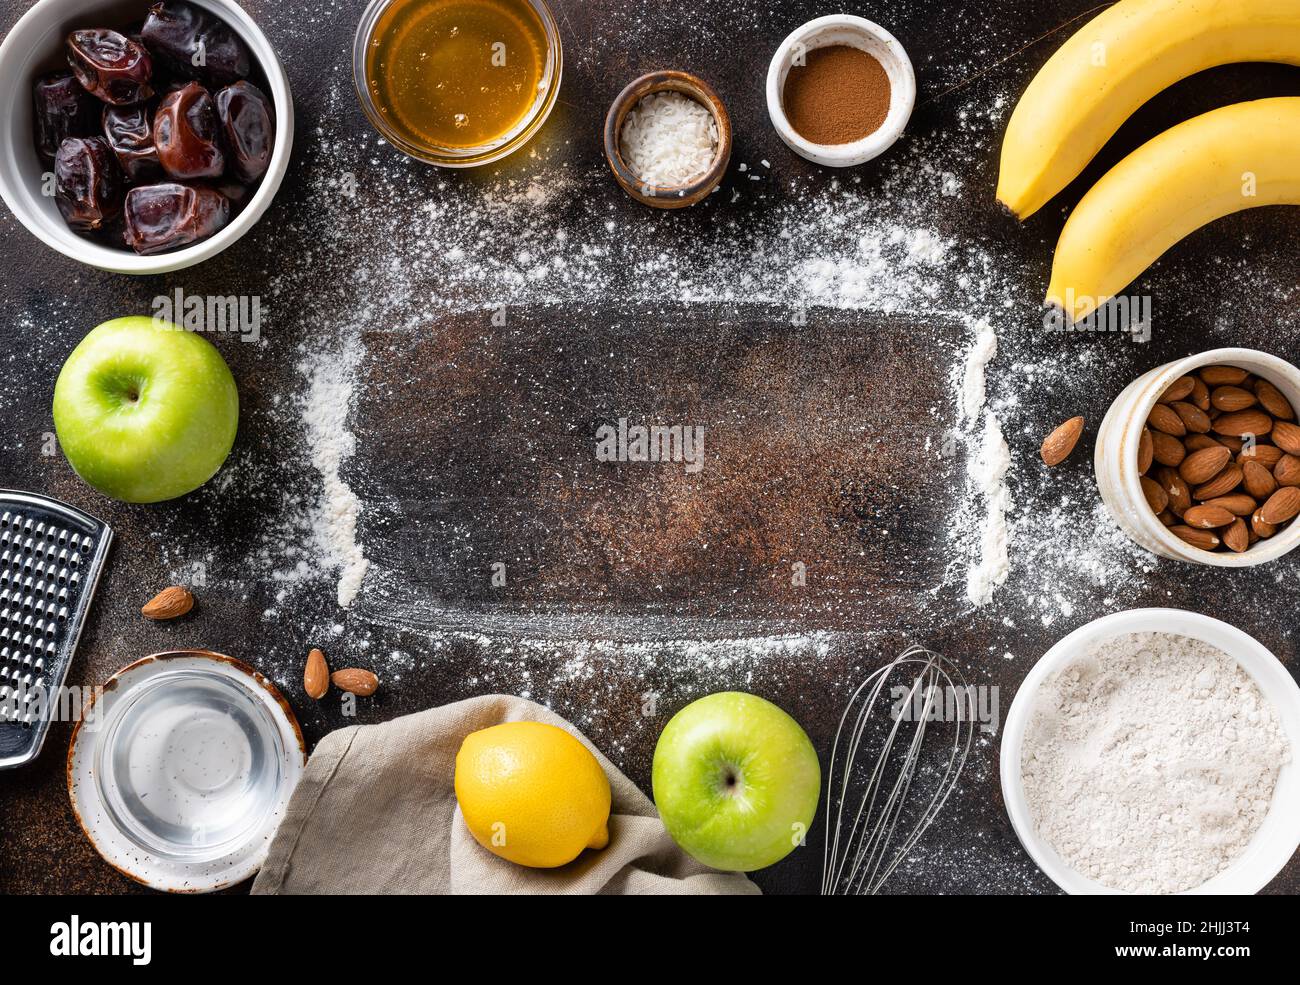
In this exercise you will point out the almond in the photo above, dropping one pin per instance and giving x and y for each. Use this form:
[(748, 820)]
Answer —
[(1287, 437), (1196, 442), (1287, 471), (1233, 444), (1222, 484), (1230, 398), (1202, 466), (316, 675), (355, 680), (1167, 518), (1282, 506), (1146, 452), (1058, 445), (1200, 395), (1167, 450), (1259, 481), (1271, 399), (1260, 526), (1244, 422), (1238, 504), (168, 604), (1166, 419), (1194, 419), (1178, 390), (1180, 497), (1237, 536), (1266, 455), (1157, 498), (1223, 375), (1207, 517), (1203, 539)]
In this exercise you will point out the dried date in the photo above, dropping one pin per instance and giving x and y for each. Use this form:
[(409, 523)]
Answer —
[(110, 66), (87, 183), (194, 44), (248, 126), (187, 134), (129, 132), (61, 109), (165, 216)]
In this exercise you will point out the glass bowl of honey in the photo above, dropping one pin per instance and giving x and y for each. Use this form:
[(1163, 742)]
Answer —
[(457, 83)]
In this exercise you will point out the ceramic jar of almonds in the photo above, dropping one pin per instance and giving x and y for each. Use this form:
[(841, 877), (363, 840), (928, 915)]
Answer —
[(1199, 459)]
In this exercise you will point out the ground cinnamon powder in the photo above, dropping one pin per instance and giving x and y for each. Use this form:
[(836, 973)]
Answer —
[(840, 94)]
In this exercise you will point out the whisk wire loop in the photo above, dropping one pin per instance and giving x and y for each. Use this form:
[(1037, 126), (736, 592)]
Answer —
[(872, 824)]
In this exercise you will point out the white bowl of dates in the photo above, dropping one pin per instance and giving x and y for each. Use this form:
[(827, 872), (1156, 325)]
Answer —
[(141, 138)]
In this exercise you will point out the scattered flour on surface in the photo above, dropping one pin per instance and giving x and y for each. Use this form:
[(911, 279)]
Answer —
[(988, 473), (325, 407), (988, 461), (975, 370)]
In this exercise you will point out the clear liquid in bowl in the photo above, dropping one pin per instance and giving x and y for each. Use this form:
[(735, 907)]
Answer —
[(190, 764)]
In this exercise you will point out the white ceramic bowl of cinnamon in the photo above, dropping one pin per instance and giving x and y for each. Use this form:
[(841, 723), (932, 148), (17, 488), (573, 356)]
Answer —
[(855, 32)]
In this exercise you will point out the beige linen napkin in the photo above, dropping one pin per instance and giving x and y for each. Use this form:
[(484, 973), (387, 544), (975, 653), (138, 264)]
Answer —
[(375, 812)]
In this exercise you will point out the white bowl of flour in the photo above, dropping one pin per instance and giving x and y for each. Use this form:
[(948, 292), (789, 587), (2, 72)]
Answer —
[(1153, 752)]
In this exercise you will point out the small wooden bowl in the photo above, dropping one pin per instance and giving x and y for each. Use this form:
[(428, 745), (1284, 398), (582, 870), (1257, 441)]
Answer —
[(667, 196)]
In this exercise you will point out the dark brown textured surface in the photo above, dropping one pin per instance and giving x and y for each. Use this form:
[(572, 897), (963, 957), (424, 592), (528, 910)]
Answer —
[(474, 443)]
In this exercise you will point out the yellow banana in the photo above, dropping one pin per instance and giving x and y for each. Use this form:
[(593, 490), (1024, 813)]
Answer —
[(1113, 65), (1229, 159)]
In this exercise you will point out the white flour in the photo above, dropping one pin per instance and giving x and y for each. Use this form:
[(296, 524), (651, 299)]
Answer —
[(987, 473), (975, 370), (331, 377), (988, 461), (1150, 762)]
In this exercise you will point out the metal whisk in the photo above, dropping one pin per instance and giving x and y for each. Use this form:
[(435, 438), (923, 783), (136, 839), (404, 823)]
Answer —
[(874, 821)]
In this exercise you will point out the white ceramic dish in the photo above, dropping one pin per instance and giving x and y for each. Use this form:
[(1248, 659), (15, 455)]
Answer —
[(871, 38), (1115, 459), (34, 45), (1277, 838), (180, 772)]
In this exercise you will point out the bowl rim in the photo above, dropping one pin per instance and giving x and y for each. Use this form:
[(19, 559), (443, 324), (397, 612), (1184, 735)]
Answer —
[(1256, 867), (125, 260), (160, 874), (901, 100), (667, 80), (503, 146), (1158, 380)]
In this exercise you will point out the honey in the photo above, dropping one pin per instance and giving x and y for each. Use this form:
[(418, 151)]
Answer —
[(456, 73)]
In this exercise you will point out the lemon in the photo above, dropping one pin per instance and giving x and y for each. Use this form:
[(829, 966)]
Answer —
[(532, 793)]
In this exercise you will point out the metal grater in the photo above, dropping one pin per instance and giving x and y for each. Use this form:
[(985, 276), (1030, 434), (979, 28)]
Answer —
[(51, 556)]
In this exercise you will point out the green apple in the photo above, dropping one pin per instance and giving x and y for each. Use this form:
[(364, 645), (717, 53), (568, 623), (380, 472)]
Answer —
[(736, 781), (145, 411)]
